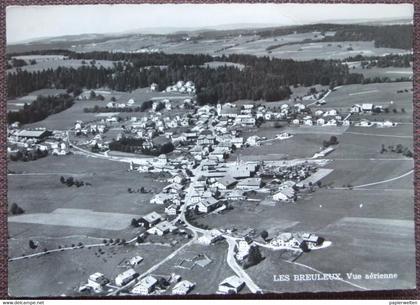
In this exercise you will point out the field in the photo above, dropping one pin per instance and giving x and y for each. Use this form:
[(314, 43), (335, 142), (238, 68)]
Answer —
[(53, 62), (297, 46), (378, 93), (63, 272), (206, 279), (77, 218), (58, 216), (391, 72)]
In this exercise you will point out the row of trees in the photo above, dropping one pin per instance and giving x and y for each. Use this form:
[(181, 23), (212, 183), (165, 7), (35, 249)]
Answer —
[(41, 108)]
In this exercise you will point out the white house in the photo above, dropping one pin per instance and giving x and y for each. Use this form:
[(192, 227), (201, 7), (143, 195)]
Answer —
[(125, 277), (162, 228), (145, 285), (134, 261), (232, 284), (183, 287)]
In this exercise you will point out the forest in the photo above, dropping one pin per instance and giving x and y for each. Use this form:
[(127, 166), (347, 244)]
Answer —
[(263, 77)]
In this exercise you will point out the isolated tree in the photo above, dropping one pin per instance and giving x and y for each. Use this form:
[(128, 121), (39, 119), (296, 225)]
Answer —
[(32, 244), (264, 234), (134, 223), (333, 140), (62, 180), (92, 94), (15, 209)]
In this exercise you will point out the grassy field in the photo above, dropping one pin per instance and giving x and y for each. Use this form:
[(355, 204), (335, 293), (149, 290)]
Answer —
[(63, 272), (391, 72), (54, 63), (291, 46), (377, 93), (214, 273)]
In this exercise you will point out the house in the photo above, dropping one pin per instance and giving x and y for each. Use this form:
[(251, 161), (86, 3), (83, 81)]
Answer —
[(311, 239), (161, 198), (210, 237), (299, 107), (288, 240), (224, 183), (237, 141), (234, 195), (331, 112), (145, 286), (33, 134), (179, 178), (154, 87), (162, 228), (173, 188), (207, 204), (356, 108), (367, 107), (97, 279), (331, 122), (172, 210), (126, 277), (242, 170), (243, 249), (245, 120), (150, 220), (183, 287), (285, 192), (249, 184), (308, 122), (134, 261), (227, 110), (320, 122), (219, 153), (232, 284)]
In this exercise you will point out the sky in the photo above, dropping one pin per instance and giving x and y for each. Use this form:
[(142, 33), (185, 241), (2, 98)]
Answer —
[(29, 22)]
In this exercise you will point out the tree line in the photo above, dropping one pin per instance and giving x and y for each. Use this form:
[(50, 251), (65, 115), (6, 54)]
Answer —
[(41, 108)]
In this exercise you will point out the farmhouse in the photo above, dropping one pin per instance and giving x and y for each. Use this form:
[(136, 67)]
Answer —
[(134, 261), (249, 184), (145, 286), (162, 198), (207, 204), (126, 277), (150, 220), (97, 281), (224, 183), (210, 237), (162, 228), (33, 134), (183, 287), (232, 284), (172, 209)]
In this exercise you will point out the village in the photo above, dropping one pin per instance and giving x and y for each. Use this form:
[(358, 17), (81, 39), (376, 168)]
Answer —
[(191, 147)]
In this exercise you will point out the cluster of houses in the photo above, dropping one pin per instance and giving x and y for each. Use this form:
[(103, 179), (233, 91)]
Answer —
[(296, 241), (180, 86), (33, 143)]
